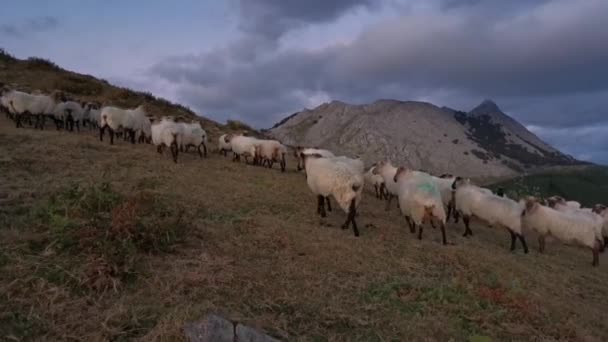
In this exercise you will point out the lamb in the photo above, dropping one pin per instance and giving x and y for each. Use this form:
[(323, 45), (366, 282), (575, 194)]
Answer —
[(299, 150), (337, 177), (387, 171), (471, 200), (129, 120), (270, 151), (192, 134), (548, 221), (243, 146), (419, 200), (165, 133), (377, 181), (223, 144)]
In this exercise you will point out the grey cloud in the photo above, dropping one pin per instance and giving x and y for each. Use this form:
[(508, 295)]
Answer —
[(33, 25), (545, 65), (587, 143)]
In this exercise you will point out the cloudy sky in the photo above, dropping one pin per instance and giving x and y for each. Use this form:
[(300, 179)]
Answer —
[(543, 62)]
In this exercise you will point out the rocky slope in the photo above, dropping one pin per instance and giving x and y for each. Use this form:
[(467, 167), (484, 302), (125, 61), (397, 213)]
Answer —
[(484, 142)]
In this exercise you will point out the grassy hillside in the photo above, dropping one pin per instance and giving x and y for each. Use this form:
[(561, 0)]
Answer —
[(588, 185), (40, 74), (102, 242)]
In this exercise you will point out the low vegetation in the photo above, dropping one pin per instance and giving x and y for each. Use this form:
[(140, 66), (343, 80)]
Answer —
[(101, 242)]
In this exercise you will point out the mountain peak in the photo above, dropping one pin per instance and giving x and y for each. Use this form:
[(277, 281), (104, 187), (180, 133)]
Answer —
[(486, 107)]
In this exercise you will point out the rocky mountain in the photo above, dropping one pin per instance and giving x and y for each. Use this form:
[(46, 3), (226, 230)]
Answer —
[(484, 142)]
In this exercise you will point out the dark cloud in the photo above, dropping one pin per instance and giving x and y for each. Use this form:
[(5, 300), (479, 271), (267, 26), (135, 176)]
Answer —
[(33, 25), (543, 62), (272, 18)]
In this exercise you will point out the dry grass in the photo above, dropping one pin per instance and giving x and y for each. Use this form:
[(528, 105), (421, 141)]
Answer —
[(102, 242)]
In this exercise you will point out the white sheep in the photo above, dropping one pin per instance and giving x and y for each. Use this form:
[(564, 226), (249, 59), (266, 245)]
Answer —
[(68, 113), (299, 150), (223, 144), (387, 171), (419, 200), (115, 119), (377, 181), (567, 227), (243, 146), (165, 133), (560, 204), (471, 200), (92, 114), (602, 210), (336, 177), (271, 151), (23, 104), (444, 184), (192, 134)]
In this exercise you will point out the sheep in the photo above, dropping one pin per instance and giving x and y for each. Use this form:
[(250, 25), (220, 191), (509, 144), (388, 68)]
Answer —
[(548, 221), (471, 200), (129, 120), (165, 133), (69, 113), (145, 130), (271, 151), (299, 150), (387, 171), (560, 204), (92, 114), (444, 184), (602, 210), (337, 177), (377, 181), (192, 134), (23, 104), (243, 146), (224, 145), (419, 200)]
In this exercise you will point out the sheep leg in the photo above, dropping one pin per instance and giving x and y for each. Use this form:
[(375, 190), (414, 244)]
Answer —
[(420, 229), (432, 223), (283, 165), (328, 203), (522, 239), (596, 255), (443, 238), (513, 237), (321, 206), (388, 202), (270, 163), (376, 189), (350, 218), (410, 224), (449, 212), (200, 154), (204, 150), (467, 220), (111, 132), (101, 130), (42, 122), (541, 244), (132, 134), (174, 152), (18, 121), (78, 126), (159, 149)]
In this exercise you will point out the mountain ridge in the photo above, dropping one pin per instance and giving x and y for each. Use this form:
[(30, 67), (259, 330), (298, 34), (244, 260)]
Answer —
[(481, 142)]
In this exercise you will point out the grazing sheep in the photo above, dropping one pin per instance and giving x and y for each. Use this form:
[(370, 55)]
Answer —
[(223, 144), (387, 171), (165, 133), (471, 200), (565, 226), (419, 200), (271, 151), (243, 146), (192, 134), (602, 210), (337, 177), (299, 150), (377, 181)]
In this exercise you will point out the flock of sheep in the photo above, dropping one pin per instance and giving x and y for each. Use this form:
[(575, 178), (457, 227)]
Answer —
[(422, 198)]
